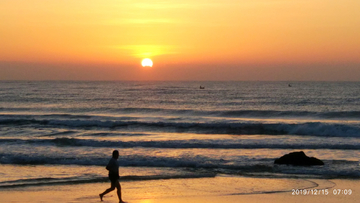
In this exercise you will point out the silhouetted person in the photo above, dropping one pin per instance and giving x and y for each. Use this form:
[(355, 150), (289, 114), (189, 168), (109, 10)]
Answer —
[(113, 168)]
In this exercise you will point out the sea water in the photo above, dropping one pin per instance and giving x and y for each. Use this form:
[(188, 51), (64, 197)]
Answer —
[(63, 132)]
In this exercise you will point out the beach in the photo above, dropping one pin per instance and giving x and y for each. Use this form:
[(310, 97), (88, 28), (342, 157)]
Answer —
[(219, 189)]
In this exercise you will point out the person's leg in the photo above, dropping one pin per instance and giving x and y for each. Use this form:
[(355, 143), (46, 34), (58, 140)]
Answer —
[(118, 187), (113, 186)]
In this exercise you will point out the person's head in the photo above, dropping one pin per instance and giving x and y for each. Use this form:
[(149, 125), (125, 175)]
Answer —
[(115, 154)]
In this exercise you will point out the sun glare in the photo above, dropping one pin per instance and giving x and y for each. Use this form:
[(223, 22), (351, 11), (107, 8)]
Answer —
[(147, 62)]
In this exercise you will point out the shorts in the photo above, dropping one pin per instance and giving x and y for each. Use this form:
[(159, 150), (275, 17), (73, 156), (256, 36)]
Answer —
[(113, 178)]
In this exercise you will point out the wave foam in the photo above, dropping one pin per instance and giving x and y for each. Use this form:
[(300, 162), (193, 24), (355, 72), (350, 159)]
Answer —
[(211, 127), (185, 144)]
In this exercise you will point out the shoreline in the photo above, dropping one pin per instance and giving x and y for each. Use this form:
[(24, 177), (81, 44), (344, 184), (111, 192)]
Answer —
[(225, 189)]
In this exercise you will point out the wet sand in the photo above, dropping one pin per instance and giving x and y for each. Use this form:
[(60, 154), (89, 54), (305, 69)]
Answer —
[(223, 189)]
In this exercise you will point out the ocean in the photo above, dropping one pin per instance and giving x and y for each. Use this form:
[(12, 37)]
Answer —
[(63, 132)]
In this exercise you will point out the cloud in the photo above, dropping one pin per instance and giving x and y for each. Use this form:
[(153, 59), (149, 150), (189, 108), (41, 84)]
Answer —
[(147, 50)]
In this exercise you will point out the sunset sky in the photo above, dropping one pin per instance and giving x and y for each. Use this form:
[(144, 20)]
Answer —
[(187, 40)]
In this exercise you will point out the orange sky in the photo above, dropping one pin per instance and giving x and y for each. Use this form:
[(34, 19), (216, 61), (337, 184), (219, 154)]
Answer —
[(187, 40)]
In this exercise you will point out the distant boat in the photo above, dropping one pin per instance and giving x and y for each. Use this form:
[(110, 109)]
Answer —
[(289, 85), (201, 87)]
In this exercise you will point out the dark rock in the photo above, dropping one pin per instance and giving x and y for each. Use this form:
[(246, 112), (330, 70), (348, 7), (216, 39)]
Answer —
[(298, 159)]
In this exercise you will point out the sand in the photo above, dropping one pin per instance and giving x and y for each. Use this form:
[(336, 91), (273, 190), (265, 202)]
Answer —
[(224, 189)]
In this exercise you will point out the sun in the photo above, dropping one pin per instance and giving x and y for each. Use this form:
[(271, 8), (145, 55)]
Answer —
[(147, 62)]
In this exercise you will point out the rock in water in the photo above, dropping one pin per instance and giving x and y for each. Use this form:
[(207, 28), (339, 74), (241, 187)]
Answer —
[(298, 159)]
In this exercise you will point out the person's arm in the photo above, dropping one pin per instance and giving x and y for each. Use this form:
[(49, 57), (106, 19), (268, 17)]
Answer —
[(112, 166)]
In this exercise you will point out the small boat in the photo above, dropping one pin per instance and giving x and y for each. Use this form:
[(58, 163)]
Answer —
[(201, 87)]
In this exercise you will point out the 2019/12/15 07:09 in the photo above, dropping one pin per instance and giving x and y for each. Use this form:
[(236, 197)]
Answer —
[(321, 192)]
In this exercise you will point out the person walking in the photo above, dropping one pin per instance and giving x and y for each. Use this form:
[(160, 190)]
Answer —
[(113, 168)]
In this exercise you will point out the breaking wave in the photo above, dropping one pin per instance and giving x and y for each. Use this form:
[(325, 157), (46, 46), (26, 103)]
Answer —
[(184, 144), (202, 166), (327, 129)]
